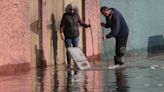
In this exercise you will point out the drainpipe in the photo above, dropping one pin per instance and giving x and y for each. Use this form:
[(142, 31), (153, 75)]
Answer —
[(40, 26), (83, 32)]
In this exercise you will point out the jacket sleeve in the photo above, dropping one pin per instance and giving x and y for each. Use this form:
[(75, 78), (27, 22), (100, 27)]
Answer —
[(108, 23), (115, 27)]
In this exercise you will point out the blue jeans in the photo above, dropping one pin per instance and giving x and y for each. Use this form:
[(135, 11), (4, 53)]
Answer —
[(69, 42)]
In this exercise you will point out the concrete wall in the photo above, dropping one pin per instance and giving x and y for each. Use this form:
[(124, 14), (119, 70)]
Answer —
[(34, 31), (40, 36), (145, 20), (91, 12), (14, 36)]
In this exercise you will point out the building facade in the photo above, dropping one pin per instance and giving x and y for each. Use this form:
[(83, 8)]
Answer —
[(30, 37), (30, 34)]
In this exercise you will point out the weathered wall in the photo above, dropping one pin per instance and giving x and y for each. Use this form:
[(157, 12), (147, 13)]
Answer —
[(14, 35), (27, 27), (145, 20), (34, 31), (91, 12)]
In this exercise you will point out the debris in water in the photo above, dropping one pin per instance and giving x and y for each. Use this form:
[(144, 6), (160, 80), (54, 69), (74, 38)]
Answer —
[(113, 67), (162, 67), (160, 85), (154, 66)]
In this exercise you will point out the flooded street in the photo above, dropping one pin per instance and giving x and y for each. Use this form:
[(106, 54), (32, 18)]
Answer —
[(142, 75)]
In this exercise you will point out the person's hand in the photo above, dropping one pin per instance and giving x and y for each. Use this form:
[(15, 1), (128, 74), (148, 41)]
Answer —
[(87, 25), (102, 24), (62, 37), (104, 38)]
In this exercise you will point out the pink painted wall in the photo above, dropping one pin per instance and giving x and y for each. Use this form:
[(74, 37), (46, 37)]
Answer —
[(91, 11), (14, 34)]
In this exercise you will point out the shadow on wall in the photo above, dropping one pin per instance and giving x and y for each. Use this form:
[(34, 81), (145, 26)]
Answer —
[(38, 57), (155, 45), (34, 27), (54, 38)]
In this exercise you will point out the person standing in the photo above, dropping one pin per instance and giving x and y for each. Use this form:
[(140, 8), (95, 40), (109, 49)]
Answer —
[(69, 28), (119, 30)]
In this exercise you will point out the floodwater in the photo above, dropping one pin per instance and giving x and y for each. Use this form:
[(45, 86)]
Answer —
[(142, 75)]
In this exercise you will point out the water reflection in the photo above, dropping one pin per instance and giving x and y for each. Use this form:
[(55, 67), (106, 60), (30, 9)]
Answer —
[(59, 79), (69, 82), (39, 79), (121, 81), (56, 79), (56, 83)]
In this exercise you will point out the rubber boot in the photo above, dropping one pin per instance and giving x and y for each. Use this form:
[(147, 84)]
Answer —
[(118, 60)]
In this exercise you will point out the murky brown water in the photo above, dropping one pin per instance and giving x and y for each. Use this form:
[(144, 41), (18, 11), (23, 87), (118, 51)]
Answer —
[(144, 75)]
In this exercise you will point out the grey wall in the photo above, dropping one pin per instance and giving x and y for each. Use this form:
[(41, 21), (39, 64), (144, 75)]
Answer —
[(146, 23)]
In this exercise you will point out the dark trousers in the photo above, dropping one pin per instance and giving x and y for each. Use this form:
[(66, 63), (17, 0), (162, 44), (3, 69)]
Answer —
[(69, 42), (120, 49)]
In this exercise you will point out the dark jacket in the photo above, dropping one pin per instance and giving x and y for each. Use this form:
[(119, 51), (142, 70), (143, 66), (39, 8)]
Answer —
[(119, 27), (70, 24)]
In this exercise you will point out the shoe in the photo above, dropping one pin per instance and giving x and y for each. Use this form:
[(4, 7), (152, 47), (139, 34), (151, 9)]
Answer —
[(113, 67), (118, 60)]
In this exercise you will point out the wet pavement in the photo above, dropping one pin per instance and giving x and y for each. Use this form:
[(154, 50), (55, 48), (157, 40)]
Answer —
[(142, 75)]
